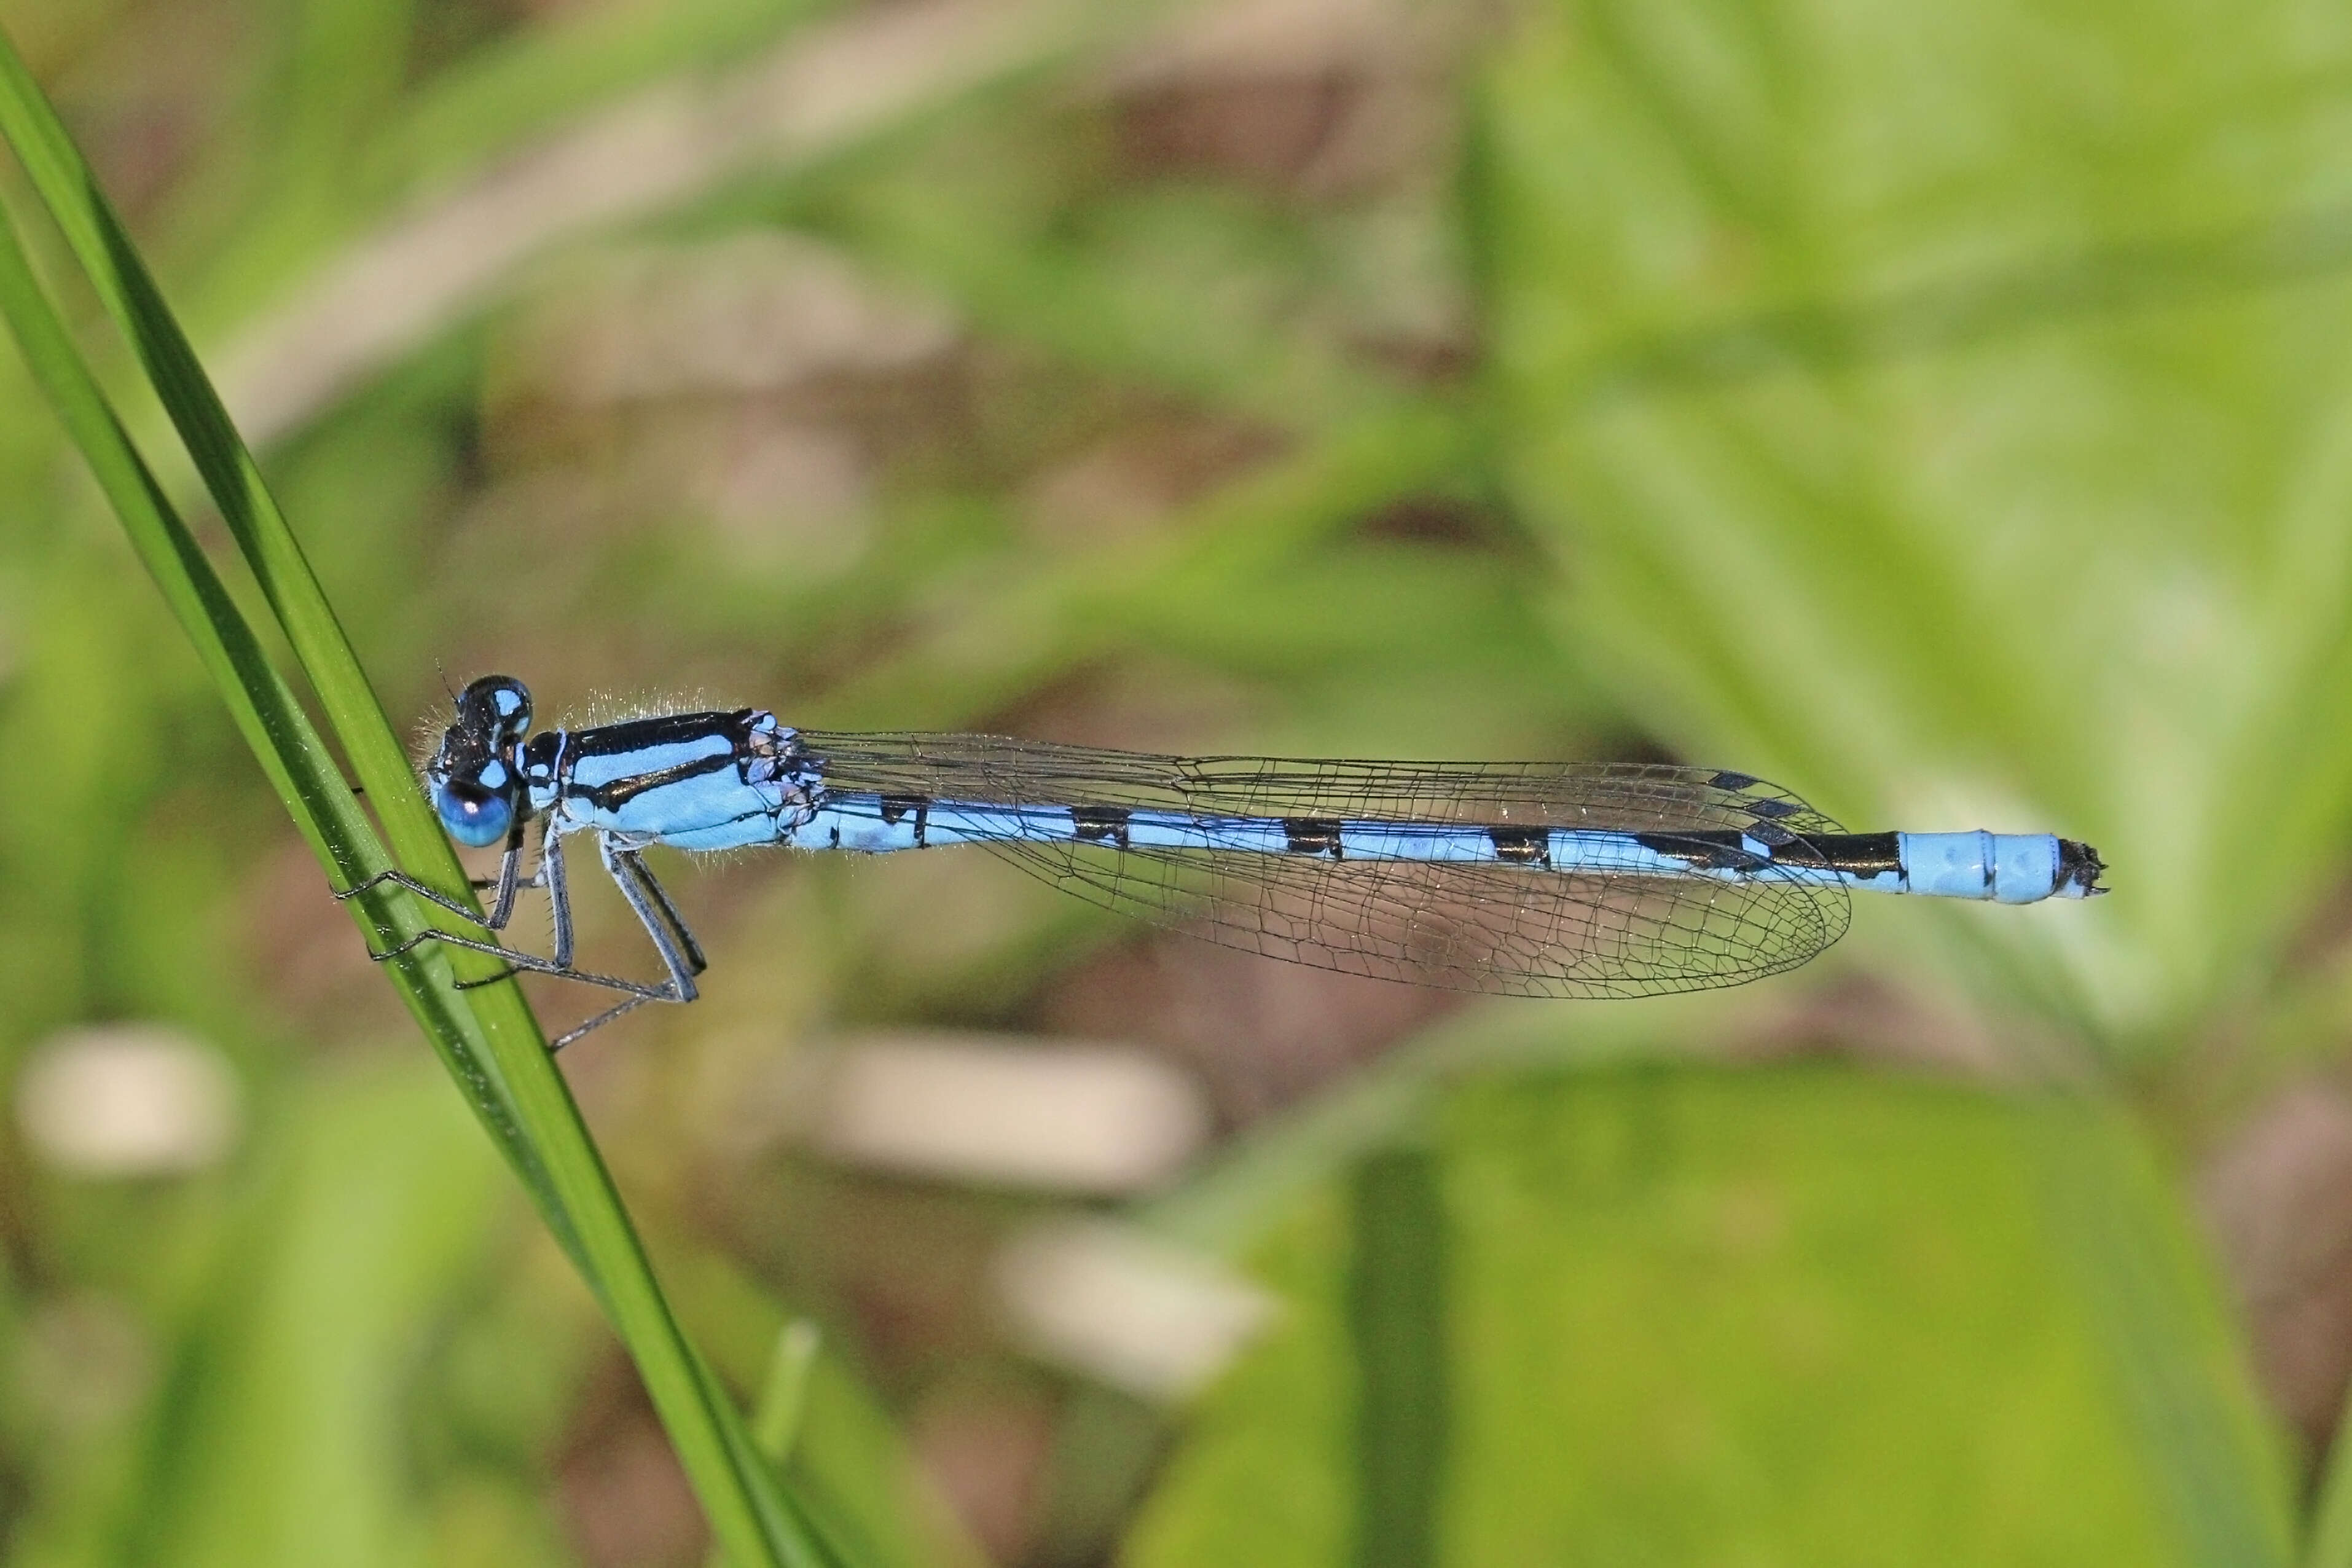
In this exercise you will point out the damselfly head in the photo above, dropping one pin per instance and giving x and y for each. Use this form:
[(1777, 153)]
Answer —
[(475, 774), (496, 707)]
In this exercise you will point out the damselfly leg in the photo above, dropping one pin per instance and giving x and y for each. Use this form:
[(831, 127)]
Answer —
[(681, 955)]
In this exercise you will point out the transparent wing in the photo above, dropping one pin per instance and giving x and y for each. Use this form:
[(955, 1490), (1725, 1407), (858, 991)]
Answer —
[(1494, 927)]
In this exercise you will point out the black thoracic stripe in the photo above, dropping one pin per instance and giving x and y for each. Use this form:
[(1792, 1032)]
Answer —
[(618, 793), (1311, 835), (666, 730), (641, 734), (1522, 846), (1098, 823), (897, 806), (1724, 848)]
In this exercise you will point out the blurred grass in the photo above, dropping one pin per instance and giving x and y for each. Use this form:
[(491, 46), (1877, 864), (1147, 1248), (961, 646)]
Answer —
[(1950, 533), (291, 1376), (1934, 408), (1802, 1314)]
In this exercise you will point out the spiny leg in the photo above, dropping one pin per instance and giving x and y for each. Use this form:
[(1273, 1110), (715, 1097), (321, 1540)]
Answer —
[(527, 963), (680, 954), (651, 886), (550, 874)]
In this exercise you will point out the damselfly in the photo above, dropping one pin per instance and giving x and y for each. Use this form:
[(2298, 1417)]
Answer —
[(1529, 878)]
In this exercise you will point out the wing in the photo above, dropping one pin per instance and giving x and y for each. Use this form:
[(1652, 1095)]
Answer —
[(1494, 927)]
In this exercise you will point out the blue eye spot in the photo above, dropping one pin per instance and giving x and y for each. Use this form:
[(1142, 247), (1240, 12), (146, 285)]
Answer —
[(474, 818)]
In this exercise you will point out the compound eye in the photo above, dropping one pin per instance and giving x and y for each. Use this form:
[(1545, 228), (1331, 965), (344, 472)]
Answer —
[(497, 706), (475, 816)]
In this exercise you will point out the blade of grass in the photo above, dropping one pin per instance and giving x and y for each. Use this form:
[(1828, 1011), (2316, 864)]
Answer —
[(292, 755), (2115, 1224), (2330, 1545), (131, 298), (1396, 1319), (755, 1523), (776, 1420), (291, 752), (488, 1039), (785, 1397)]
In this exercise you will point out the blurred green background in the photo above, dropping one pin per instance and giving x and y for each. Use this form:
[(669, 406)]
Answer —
[(1940, 409)]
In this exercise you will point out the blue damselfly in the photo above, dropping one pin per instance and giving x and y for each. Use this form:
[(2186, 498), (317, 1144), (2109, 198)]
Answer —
[(1528, 879)]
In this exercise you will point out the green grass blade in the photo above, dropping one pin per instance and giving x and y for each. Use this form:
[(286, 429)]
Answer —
[(292, 754), (98, 243), (290, 751), (2173, 1361), (1396, 1319), (487, 1039), (785, 1398)]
